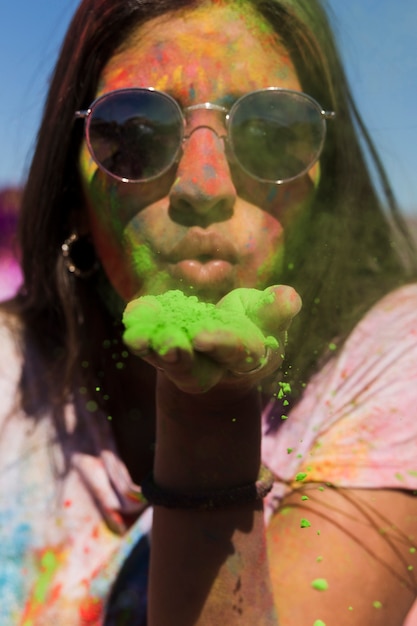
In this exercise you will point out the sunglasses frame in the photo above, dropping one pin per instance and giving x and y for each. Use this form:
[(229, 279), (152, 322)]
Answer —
[(86, 115)]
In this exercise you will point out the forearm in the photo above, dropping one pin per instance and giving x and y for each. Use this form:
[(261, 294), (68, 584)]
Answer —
[(208, 567)]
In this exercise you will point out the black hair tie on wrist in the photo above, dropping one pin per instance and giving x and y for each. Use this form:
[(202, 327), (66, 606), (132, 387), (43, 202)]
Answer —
[(208, 500)]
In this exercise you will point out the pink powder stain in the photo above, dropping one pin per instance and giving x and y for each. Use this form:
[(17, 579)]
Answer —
[(10, 276)]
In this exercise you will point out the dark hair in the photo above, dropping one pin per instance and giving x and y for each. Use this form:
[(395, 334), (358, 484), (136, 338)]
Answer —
[(341, 257)]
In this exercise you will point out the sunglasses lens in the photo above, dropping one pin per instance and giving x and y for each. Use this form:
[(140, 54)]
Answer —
[(135, 135), (276, 135)]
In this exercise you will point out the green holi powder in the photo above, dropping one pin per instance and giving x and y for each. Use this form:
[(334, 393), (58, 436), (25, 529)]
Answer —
[(319, 622), (173, 318), (284, 417), (320, 584), (377, 604), (319, 559), (304, 498), (289, 450), (284, 388), (304, 523), (91, 406), (142, 259), (300, 476), (412, 550), (49, 565)]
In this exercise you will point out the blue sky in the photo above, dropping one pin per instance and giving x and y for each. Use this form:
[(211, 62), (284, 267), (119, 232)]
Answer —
[(378, 42)]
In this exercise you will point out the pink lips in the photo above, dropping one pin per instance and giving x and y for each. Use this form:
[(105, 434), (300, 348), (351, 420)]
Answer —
[(204, 259), (203, 247)]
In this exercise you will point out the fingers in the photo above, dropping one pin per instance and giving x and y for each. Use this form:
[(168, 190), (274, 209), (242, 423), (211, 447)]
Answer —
[(241, 349), (276, 309), (272, 310), (232, 337)]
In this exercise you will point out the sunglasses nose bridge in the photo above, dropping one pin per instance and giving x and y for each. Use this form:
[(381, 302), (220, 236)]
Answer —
[(207, 115)]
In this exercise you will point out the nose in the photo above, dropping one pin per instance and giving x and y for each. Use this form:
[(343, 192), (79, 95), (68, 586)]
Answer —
[(203, 191)]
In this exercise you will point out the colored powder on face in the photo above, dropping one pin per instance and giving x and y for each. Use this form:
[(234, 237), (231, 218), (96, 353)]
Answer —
[(305, 523), (320, 584), (142, 259), (319, 622), (377, 604)]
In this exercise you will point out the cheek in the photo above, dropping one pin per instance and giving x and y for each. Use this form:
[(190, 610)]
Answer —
[(280, 201), (107, 220), (108, 243), (262, 248)]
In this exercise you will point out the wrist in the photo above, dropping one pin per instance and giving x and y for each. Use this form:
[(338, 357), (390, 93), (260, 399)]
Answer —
[(206, 441)]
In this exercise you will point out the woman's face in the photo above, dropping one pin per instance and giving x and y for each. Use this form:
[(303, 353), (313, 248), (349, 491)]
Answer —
[(200, 227)]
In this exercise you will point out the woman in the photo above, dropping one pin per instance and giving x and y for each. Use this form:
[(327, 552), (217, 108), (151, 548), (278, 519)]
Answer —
[(201, 167)]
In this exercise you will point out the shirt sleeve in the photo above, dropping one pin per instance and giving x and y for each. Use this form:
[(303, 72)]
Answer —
[(356, 425)]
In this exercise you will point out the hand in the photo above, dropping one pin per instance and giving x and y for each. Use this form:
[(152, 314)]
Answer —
[(198, 346)]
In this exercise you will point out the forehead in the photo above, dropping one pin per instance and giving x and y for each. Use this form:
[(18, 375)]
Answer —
[(202, 53)]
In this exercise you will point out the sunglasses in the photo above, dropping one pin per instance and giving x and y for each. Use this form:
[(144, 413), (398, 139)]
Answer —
[(274, 135)]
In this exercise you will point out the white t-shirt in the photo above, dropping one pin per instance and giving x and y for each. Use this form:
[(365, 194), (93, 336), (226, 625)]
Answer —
[(66, 551)]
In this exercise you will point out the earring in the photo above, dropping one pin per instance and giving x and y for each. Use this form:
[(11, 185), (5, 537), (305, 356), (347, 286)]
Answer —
[(79, 256)]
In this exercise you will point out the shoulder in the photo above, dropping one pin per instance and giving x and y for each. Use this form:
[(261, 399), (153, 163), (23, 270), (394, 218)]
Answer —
[(355, 425), (397, 307)]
